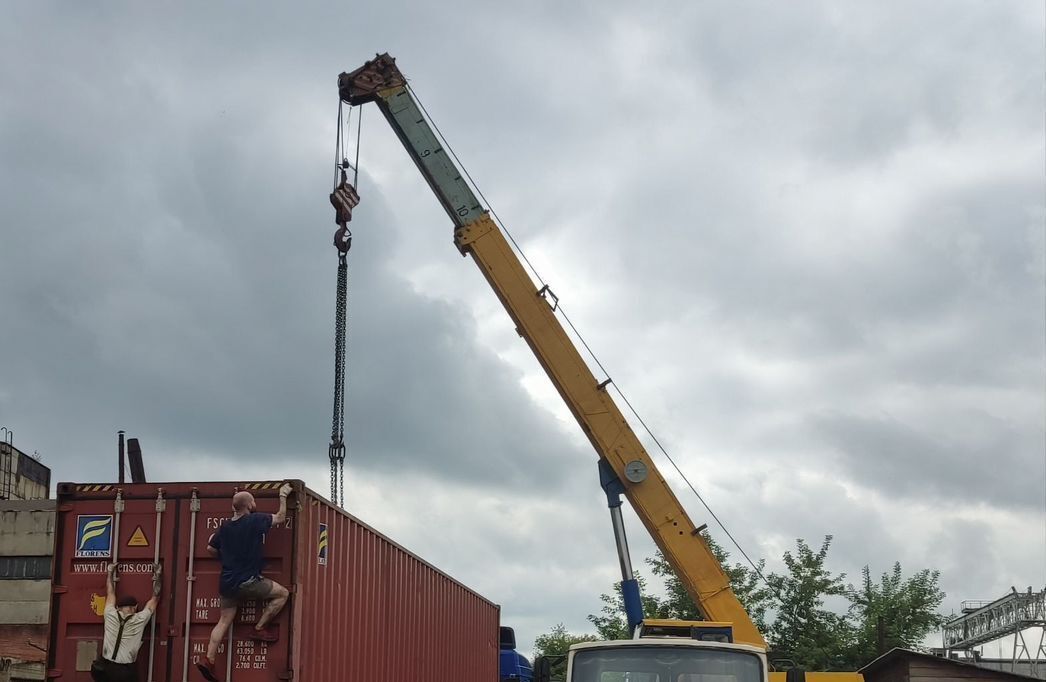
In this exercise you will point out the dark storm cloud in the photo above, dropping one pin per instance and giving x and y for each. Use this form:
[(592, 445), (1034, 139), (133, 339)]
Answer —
[(901, 459), (170, 273), (805, 238)]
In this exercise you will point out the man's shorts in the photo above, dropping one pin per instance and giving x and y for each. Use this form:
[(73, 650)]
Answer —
[(255, 588)]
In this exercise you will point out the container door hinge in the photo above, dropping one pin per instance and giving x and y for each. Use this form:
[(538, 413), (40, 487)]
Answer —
[(289, 675), (59, 589), (54, 672)]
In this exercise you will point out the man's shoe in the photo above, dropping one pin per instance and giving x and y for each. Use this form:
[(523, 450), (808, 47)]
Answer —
[(267, 635), (206, 668)]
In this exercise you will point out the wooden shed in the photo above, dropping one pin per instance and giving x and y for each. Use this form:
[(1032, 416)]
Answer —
[(902, 665)]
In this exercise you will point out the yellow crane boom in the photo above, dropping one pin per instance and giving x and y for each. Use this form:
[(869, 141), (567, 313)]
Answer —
[(380, 81)]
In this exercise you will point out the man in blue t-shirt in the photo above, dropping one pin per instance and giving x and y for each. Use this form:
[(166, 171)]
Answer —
[(239, 544)]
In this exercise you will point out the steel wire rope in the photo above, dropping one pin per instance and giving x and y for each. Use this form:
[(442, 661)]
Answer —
[(338, 144), (356, 165), (584, 343)]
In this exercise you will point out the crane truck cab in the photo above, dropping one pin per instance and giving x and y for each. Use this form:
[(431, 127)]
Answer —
[(665, 651)]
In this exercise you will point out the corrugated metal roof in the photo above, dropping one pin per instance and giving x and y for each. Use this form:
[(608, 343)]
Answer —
[(898, 653)]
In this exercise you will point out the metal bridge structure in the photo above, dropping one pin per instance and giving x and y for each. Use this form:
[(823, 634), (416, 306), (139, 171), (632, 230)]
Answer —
[(1015, 615)]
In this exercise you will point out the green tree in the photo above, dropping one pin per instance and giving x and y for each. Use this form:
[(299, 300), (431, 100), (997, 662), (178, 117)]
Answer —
[(804, 631), (747, 584), (677, 602), (555, 644), (896, 612), (612, 623)]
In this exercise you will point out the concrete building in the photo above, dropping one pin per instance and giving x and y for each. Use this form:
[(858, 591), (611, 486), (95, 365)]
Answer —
[(26, 547), (22, 477)]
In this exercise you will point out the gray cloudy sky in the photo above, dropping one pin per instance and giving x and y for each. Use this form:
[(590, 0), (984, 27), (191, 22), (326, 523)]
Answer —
[(807, 239)]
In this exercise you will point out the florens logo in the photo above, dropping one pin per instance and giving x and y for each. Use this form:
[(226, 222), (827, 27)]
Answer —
[(94, 535)]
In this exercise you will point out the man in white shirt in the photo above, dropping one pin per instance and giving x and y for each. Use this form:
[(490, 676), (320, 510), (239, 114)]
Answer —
[(124, 628)]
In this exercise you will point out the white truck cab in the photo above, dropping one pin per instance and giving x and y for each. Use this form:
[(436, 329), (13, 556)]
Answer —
[(666, 651), (665, 660)]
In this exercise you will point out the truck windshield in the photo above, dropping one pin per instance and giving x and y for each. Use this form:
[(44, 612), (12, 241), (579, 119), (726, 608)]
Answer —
[(664, 664)]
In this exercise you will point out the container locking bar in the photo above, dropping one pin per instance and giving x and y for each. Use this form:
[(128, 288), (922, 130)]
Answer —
[(161, 505), (194, 507)]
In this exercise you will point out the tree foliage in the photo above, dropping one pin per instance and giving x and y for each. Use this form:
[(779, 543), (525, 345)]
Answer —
[(611, 623), (746, 583), (808, 615), (896, 612), (555, 644), (804, 631)]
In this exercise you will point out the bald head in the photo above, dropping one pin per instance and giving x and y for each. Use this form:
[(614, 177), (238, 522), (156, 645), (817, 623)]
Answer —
[(242, 502)]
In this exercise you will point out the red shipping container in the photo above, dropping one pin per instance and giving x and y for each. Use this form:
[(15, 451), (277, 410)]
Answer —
[(362, 608)]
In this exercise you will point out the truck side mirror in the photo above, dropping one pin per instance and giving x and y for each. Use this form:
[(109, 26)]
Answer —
[(542, 669), (507, 638)]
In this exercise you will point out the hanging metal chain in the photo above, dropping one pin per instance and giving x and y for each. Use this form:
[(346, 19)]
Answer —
[(344, 198), (337, 444)]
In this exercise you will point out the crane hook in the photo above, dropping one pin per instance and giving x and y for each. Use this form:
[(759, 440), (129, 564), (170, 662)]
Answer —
[(343, 239)]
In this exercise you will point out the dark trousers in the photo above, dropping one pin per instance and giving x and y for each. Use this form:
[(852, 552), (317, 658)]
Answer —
[(105, 670)]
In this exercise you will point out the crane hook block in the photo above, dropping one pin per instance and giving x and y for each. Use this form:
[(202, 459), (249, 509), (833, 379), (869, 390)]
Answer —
[(343, 239), (344, 198)]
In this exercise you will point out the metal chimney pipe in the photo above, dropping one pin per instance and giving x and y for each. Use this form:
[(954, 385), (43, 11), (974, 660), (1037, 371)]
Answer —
[(120, 449), (134, 461)]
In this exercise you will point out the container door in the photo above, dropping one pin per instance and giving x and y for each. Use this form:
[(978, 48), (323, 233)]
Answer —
[(90, 534), (239, 658)]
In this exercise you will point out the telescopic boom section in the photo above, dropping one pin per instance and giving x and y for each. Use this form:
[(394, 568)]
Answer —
[(381, 82)]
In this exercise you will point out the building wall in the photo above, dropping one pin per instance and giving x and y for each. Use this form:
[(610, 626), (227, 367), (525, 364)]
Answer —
[(897, 671), (24, 602), (26, 547), (924, 671), (903, 665), (26, 528), (25, 655), (21, 476)]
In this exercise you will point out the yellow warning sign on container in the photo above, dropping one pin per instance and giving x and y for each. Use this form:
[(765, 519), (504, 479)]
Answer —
[(138, 538)]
